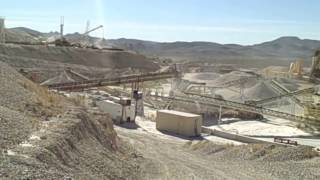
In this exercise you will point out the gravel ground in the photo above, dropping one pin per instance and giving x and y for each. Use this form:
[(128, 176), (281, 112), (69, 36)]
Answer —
[(171, 158)]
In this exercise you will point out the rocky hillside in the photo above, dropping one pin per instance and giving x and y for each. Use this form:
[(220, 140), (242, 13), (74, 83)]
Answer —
[(279, 51), (78, 56), (43, 135), (27, 56)]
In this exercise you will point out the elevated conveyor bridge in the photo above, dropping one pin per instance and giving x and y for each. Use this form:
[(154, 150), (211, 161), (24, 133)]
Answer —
[(80, 85)]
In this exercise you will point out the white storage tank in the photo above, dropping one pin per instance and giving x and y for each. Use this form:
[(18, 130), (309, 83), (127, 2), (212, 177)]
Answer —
[(180, 123)]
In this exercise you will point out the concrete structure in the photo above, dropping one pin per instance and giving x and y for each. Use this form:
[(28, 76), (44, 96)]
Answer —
[(2, 31), (181, 123), (118, 112)]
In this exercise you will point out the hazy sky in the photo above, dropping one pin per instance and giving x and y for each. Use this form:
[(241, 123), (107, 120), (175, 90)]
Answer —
[(222, 21)]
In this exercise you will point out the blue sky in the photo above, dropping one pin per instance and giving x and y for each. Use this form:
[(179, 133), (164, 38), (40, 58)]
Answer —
[(222, 21)]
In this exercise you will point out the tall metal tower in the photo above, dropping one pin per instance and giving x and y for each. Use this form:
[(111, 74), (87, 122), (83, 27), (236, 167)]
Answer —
[(61, 27), (2, 31)]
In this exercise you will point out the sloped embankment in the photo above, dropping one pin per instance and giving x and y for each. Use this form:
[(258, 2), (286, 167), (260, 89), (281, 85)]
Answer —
[(80, 56), (46, 136), (79, 144), (22, 106)]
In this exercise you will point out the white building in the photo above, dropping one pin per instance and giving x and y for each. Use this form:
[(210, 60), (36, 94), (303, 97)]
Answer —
[(119, 113), (181, 123)]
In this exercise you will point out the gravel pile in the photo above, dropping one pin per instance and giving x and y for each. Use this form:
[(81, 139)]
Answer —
[(260, 91)]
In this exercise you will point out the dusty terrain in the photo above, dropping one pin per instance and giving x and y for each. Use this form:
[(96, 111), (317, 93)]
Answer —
[(175, 158)]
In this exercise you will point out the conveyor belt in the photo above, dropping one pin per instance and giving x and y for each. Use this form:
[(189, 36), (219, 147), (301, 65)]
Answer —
[(290, 94), (282, 91), (237, 81), (211, 101), (113, 81)]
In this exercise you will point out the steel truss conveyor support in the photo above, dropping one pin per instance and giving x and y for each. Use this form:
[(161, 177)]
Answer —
[(290, 94), (113, 81), (282, 90), (211, 101)]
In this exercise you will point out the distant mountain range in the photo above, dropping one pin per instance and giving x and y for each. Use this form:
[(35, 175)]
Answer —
[(277, 52)]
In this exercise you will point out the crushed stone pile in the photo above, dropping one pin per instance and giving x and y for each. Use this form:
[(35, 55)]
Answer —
[(233, 76), (260, 91), (257, 92)]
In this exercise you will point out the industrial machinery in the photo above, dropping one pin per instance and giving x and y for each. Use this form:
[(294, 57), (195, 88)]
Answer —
[(315, 69), (94, 29), (296, 69), (62, 41)]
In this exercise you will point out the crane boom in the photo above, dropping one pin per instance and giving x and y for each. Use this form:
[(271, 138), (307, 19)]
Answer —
[(94, 29)]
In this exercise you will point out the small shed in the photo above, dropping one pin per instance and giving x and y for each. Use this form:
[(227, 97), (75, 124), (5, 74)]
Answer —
[(180, 123)]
